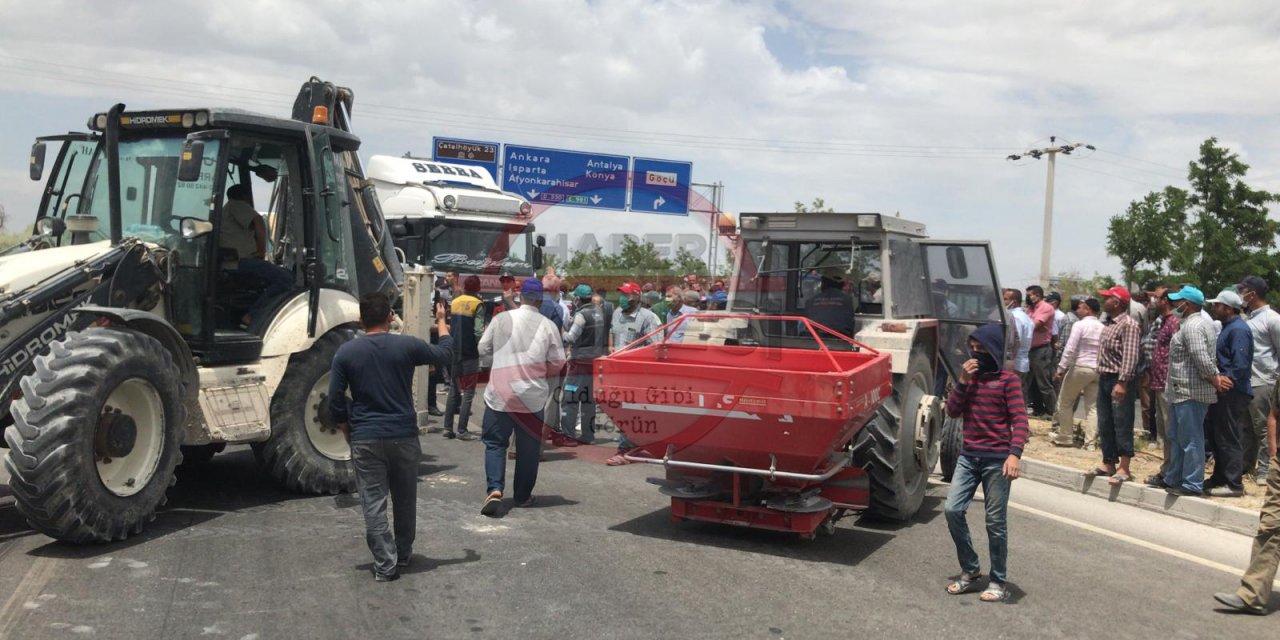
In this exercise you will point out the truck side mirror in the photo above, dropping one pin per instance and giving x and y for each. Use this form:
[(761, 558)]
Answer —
[(37, 160), (540, 240), (537, 256), (192, 161), (50, 227), (956, 263)]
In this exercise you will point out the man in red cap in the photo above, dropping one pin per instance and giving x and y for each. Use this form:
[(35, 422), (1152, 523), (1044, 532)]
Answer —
[(1117, 368)]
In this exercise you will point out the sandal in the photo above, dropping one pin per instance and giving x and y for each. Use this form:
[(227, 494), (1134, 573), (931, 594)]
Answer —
[(995, 592), (1120, 478), (1099, 472), (963, 584), (617, 461)]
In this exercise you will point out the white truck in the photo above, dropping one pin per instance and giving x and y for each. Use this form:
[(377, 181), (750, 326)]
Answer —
[(454, 217)]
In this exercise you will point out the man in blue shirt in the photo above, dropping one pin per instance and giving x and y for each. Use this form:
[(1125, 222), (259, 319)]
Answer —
[(381, 424), (1226, 417)]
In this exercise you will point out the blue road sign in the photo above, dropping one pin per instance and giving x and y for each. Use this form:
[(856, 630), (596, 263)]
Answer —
[(560, 177), (661, 186), (470, 152)]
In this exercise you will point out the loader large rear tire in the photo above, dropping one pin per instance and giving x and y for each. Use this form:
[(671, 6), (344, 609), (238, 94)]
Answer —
[(898, 479), (306, 453), (96, 435)]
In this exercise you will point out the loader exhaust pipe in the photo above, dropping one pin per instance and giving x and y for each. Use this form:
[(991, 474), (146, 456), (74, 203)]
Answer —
[(112, 144)]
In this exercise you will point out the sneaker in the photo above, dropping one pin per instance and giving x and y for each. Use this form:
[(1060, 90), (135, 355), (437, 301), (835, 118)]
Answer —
[(492, 504), (1156, 481), (1179, 491), (449, 435), (1236, 602), (467, 436), (385, 577), (527, 502), (404, 562), (1224, 492), (432, 411)]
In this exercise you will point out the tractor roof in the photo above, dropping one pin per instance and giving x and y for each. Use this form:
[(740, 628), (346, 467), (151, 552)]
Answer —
[(195, 119), (815, 225)]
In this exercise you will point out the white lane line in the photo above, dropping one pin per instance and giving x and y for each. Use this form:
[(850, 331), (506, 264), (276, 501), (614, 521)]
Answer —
[(1182, 555)]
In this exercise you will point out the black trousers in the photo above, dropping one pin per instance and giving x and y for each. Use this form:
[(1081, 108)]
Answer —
[(1226, 426)]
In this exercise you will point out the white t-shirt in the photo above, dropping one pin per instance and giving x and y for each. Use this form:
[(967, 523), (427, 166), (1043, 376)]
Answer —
[(527, 354)]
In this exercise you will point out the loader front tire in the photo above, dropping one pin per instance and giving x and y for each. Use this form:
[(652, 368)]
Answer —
[(96, 435), (306, 453)]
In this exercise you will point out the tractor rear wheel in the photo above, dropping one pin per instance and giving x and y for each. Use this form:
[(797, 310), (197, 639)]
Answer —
[(307, 453), (898, 476), (952, 442), (96, 435)]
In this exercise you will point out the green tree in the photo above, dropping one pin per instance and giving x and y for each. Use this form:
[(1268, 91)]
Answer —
[(1229, 234), (588, 262), (1147, 232), (818, 206), (685, 263), (641, 257), (1073, 283)]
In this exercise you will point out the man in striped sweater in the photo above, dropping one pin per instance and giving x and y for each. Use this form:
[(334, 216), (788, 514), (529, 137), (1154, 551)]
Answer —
[(995, 431)]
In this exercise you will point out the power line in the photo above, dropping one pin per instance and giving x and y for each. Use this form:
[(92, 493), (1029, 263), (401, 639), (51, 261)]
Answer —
[(1076, 167)]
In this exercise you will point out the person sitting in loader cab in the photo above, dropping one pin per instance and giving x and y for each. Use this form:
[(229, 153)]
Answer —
[(244, 232), (831, 306)]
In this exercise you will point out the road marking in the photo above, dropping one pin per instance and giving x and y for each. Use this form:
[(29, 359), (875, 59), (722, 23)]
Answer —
[(1131, 540)]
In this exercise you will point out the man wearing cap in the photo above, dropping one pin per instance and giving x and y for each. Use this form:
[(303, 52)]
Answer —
[(631, 321), (1227, 416), (1042, 395), (466, 325), (527, 354), (1192, 386), (1117, 366), (831, 306), (1264, 324), (588, 339)]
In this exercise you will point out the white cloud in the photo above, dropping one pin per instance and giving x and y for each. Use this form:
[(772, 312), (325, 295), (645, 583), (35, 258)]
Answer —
[(1145, 81)]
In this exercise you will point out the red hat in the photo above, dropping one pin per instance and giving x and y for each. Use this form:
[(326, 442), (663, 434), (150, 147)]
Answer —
[(630, 288), (1116, 292)]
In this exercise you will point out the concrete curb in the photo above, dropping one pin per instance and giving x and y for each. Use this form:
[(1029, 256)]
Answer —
[(1199, 510)]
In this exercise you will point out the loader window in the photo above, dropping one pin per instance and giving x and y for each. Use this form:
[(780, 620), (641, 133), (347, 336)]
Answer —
[(67, 183), (152, 199)]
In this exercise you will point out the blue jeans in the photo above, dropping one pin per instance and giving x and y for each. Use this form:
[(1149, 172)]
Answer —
[(496, 435), (1115, 419), (388, 469), (970, 471), (278, 279), (1186, 445)]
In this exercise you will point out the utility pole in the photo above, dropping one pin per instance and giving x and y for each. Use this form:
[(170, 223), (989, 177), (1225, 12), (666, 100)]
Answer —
[(1052, 152)]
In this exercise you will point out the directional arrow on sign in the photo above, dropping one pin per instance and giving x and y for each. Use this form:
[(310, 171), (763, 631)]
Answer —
[(533, 195), (596, 199), (657, 203)]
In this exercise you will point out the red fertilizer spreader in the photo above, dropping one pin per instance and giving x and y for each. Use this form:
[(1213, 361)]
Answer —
[(753, 417)]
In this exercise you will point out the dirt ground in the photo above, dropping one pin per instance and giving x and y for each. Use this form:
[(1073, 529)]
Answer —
[(1145, 463)]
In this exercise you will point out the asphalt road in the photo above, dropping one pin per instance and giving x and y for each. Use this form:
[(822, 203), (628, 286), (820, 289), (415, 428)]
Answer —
[(234, 556)]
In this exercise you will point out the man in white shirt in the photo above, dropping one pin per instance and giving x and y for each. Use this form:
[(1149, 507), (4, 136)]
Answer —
[(244, 232), (688, 301), (1023, 329), (1078, 371), (527, 356)]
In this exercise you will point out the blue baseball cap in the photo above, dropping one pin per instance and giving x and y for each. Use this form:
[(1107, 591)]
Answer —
[(1190, 294), (531, 286)]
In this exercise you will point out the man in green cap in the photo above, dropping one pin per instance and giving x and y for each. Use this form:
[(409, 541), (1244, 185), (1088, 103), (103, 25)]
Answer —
[(588, 339)]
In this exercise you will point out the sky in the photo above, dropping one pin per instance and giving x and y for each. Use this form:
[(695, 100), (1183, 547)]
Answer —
[(900, 108)]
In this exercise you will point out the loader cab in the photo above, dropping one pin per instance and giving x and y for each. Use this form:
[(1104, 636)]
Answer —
[(65, 160), (175, 170)]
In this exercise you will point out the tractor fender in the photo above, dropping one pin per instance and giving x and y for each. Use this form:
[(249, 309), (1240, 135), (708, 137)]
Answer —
[(901, 339), (160, 329), (287, 333)]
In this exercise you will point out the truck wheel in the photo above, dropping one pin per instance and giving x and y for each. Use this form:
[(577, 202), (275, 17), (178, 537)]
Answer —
[(306, 452), (952, 442), (96, 435), (898, 480)]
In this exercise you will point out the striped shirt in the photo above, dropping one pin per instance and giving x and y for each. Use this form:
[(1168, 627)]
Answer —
[(1118, 348), (1192, 364), (995, 418)]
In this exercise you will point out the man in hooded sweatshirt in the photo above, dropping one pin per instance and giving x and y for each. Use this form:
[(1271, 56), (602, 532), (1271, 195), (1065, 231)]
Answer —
[(989, 399)]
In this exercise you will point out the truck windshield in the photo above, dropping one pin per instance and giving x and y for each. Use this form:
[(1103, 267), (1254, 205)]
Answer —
[(480, 249), (152, 200)]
